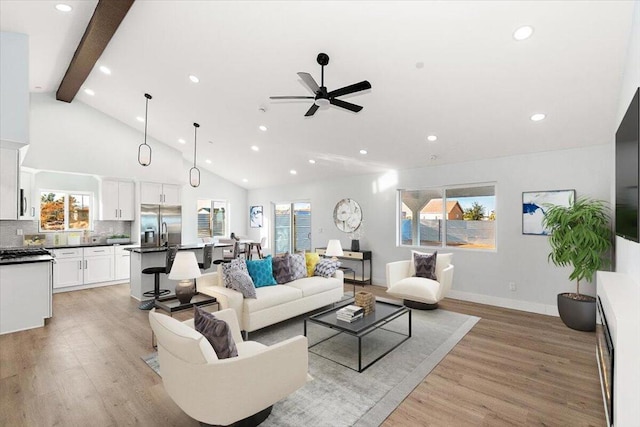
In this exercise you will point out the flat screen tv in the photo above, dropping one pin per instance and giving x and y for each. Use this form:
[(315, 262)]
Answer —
[(628, 172)]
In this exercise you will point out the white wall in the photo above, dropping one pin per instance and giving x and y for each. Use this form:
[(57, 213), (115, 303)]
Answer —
[(479, 275), (628, 252)]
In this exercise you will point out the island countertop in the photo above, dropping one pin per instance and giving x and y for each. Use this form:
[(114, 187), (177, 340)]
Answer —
[(153, 249)]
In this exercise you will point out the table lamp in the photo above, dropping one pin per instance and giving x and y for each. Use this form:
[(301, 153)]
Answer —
[(185, 267), (334, 249)]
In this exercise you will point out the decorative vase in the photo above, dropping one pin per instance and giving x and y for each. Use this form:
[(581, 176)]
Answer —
[(184, 293), (355, 245), (578, 314)]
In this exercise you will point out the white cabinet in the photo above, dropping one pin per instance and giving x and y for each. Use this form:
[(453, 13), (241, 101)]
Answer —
[(27, 207), (83, 266), (117, 200), (122, 260), (163, 194), (9, 167)]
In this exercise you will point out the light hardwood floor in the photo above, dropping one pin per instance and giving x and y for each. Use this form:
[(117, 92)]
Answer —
[(84, 369)]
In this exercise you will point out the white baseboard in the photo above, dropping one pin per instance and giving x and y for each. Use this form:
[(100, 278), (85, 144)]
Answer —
[(531, 307)]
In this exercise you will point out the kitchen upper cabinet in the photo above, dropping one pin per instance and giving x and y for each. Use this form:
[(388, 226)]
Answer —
[(9, 182), (14, 89), (159, 194), (27, 206), (117, 201)]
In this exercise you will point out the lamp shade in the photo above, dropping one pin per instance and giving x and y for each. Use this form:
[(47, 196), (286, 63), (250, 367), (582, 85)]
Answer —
[(185, 266), (334, 248)]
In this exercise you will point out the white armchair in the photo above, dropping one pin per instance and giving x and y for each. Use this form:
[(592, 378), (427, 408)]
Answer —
[(223, 392), (419, 292)]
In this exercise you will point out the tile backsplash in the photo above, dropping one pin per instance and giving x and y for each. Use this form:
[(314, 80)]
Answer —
[(101, 230)]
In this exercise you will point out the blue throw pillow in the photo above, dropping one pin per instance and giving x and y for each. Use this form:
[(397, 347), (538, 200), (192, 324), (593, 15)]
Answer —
[(261, 271)]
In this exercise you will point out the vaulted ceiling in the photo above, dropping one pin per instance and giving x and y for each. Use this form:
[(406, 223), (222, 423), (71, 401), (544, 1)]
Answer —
[(445, 68)]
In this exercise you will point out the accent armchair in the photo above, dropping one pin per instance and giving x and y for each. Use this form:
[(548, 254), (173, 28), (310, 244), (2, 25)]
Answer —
[(419, 292), (240, 389)]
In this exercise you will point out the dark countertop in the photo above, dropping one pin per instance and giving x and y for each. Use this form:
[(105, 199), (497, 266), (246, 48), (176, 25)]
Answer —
[(85, 245), (152, 249), (27, 259)]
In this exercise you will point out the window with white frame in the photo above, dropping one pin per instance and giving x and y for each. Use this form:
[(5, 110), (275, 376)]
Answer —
[(212, 218), (460, 216), (292, 227), (65, 211)]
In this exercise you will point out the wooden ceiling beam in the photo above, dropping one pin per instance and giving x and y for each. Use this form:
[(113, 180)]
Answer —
[(105, 21)]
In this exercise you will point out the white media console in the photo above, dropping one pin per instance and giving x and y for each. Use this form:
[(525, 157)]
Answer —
[(620, 296)]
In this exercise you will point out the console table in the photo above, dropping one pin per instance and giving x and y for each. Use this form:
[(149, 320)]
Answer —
[(360, 276)]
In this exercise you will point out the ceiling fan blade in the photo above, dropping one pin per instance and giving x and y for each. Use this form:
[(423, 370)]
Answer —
[(343, 104), (309, 81), (356, 87), (292, 97), (312, 110)]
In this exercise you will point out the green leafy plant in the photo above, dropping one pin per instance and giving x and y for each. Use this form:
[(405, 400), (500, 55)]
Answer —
[(580, 237)]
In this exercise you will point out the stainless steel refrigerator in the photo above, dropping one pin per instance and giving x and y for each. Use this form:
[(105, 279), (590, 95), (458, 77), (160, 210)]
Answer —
[(160, 225)]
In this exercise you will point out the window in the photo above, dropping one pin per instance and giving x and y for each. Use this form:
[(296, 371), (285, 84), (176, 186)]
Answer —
[(463, 217), (292, 227), (61, 211), (212, 218)]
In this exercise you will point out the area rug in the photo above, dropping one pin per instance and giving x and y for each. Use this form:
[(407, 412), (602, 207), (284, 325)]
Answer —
[(339, 396)]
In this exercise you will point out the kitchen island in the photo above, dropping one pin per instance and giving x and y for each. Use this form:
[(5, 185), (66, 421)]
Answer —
[(143, 257)]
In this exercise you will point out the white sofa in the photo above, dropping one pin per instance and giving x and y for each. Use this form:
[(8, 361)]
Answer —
[(274, 303), (221, 392)]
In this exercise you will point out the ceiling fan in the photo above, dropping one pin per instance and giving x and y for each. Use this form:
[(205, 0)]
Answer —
[(322, 97)]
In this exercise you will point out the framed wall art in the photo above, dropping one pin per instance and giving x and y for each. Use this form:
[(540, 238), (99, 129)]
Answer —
[(535, 204), (255, 216)]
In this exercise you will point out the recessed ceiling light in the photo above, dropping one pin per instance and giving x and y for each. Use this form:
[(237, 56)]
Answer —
[(208, 161), (263, 128), (39, 87), (313, 162), (63, 7), (245, 180), (194, 79), (523, 33), (432, 138), (105, 70), (538, 116), (89, 92), (182, 141), (293, 172), (255, 148), (419, 65), (363, 151), (140, 119)]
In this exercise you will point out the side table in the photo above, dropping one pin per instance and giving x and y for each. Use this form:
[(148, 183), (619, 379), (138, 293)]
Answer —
[(172, 305), (349, 270)]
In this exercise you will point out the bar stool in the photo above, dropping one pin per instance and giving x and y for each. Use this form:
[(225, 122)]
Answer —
[(156, 271)]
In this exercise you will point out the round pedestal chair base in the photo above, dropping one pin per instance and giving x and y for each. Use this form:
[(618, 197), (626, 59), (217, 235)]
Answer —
[(420, 305), (250, 421)]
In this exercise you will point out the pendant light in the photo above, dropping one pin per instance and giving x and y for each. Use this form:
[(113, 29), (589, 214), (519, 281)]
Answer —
[(194, 172), (144, 150)]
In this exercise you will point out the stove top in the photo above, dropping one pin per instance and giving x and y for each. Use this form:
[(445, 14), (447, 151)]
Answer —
[(22, 253)]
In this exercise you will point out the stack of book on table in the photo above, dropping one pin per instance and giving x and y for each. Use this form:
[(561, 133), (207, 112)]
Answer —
[(350, 313)]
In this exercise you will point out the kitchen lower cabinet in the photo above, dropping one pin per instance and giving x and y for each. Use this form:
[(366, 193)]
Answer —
[(98, 269), (122, 260), (83, 266)]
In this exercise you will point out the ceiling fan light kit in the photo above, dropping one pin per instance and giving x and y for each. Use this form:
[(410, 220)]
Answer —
[(144, 150), (194, 172), (323, 98)]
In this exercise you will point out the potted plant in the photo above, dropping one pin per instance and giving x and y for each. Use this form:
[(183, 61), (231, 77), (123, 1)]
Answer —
[(579, 237)]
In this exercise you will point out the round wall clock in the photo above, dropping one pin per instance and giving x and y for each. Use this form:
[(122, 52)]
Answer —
[(347, 215)]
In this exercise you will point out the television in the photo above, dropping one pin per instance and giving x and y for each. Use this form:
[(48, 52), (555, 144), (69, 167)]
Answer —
[(628, 172)]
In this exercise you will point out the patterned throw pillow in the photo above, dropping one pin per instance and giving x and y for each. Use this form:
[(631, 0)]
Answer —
[(217, 332), (242, 282), (298, 266), (237, 264), (281, 269), (311, 259), (326, 267), (261, 271), (425, 265)]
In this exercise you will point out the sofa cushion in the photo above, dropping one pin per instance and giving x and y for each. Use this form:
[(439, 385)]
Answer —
[(311, 259), (237, 264), (270, 296), (442, 262), (261, 271), (416, 289), (217, 332), (326, 267), (242, 282), (298, 266), (425, 265), (281, 266), (314, 285)]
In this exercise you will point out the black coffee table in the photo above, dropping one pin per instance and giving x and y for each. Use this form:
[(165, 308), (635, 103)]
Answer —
[(384, 313)]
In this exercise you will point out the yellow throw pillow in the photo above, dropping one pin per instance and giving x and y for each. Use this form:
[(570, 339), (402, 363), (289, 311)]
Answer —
[(311, 259)]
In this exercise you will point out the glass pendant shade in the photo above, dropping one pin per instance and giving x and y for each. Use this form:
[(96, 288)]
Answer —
[(144, 154), (194, 177)]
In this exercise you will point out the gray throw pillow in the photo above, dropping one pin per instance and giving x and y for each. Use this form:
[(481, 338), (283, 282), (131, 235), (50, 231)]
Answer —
[(326, 267), (281, 269), (242, 282), (425, 265), (217, 332), (237, 264), (298, 266)]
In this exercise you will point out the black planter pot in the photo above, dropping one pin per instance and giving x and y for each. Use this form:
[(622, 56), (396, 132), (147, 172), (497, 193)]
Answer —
[(578, 314), (355, 245)]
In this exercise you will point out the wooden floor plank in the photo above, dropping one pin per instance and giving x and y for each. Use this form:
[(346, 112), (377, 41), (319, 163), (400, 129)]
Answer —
[(84, 368)]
